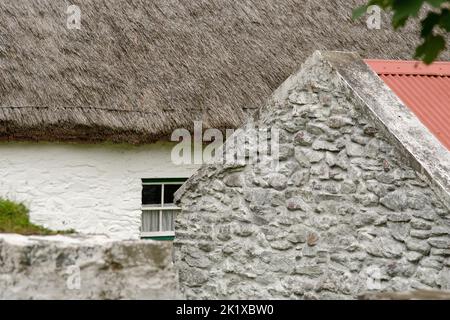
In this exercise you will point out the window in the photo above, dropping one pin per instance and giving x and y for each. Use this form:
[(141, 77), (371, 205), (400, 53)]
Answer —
[(158, 208)]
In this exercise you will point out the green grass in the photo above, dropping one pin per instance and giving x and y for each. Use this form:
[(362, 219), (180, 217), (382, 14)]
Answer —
[(14, 218)]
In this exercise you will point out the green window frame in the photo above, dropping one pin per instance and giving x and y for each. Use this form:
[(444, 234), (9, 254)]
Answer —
[(158, 218)]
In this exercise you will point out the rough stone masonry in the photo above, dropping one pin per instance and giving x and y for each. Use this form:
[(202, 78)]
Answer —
[(347, 211), (85, 267)]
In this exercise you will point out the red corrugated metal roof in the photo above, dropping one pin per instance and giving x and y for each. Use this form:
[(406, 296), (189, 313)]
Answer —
[(424, 89)]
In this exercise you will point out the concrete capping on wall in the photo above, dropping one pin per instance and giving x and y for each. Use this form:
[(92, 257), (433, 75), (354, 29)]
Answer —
[(85, 267), (419, 146)]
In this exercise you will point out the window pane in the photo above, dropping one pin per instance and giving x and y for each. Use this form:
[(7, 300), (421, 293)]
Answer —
[(169, 190), (168, 218), (151, 194), (150, 221)]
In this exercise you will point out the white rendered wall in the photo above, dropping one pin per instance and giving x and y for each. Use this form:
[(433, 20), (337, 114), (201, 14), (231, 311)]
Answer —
[(92, 188)]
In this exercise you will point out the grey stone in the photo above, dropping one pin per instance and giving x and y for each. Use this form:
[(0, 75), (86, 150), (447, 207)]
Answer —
[(316, 128), (424, 214), (198, 262), (384, 247), (400, 268), (206, 246), (399, 231), (440, 231), (217, 185), (379, 189), (396, 201), (354, 150), (440, 252), (364, 219), (330, 159), (281, 245), (342, 160), (337, 122), (419, 246), (359, 139), (420, 234), (413, 256), (432, 262), (369, 199), (372, 149), (224, 233), (370, 130), (440, 242), (426, 276), (303, 138), (309, 251), (277, 264), (302, 158), (297, 203), (443, 279), (277, 181), (244, 230), (311, 271), (399, 217), (348, 187), (420, 224), (285, 151), (315, 156), (193, 277), (321, 171), (324, 146), (234, 180), (272, 234), (302, 98), (300, 178), (231, 248), (418, 202), (381, 220), (297, 237), (386, 177)]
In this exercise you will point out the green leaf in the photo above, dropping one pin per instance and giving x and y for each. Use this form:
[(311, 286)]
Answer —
[(428, 24), (444, 22), (403, 9), (360, 11), (429, 50), (436, 3)]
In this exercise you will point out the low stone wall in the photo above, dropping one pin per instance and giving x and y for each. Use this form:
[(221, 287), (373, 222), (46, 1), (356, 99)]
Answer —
[(85, 267), (407, 295)]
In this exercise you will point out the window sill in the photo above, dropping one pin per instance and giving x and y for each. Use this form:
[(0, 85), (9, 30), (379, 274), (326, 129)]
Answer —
[(150, 208), (156, 234)]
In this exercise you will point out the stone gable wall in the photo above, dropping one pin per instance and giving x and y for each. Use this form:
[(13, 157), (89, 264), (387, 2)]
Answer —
[(344, 214)]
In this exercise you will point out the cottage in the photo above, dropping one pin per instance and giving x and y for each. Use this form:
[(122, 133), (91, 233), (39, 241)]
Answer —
[(87, 108), (360, 200)]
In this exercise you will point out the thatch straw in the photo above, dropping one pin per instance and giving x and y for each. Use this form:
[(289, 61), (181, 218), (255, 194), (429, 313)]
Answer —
[(139, 69)]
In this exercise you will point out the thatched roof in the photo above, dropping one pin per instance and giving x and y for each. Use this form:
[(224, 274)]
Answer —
[(139, 69)]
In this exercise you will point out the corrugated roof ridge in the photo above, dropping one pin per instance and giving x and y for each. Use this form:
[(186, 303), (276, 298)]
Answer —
[(409, 67)]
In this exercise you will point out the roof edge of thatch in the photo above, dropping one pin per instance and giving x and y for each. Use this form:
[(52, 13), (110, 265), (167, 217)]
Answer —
[(93, 125)]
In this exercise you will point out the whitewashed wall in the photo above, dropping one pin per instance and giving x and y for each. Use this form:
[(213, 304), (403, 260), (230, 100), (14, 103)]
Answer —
[(91, 188)]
